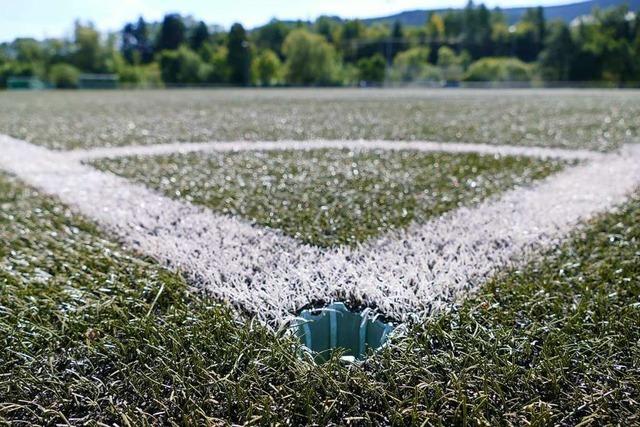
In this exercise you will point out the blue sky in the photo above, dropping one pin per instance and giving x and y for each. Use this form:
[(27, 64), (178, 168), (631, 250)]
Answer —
[(54, 18)]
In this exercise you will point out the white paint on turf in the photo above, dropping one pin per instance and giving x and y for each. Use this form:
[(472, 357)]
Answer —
[(405, 272), (426, 266), (220, 252), (424, 146)]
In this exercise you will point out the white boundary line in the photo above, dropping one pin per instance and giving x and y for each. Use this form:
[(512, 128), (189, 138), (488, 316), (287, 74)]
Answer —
[(425, 146), (406, 272)]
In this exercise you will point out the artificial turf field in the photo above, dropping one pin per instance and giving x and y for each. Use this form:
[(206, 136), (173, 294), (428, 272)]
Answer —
[(94, 332), (591, 119), (331, 197)]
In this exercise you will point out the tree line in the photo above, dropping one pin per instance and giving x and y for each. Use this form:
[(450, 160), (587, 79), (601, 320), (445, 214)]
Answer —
[(472, 44)]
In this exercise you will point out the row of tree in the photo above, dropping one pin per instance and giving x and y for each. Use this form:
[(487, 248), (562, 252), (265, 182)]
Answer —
[(471, 44)]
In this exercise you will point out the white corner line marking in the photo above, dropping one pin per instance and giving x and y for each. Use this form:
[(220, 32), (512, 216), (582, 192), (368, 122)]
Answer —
[(404, 273), (424, 146)]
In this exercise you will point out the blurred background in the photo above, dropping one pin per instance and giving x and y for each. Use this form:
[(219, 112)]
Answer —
[(157, 43)]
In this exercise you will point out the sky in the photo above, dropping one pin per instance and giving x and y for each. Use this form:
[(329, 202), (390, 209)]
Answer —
[(54, 18)]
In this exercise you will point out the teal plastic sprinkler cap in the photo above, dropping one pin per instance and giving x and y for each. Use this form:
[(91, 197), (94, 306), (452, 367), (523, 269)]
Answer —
[(324, 330)]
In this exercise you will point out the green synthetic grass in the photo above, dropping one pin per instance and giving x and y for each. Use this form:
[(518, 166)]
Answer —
[(331, 197), (595, 119), (91, 334)]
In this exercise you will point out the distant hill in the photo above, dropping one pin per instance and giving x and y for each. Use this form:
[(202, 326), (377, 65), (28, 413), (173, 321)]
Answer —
[(565, 12)]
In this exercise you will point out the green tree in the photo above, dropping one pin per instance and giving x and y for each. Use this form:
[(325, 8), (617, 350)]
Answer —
[(535, 18), (271, 36), (128, 46), (613, 39), (311, 60), (351, 34), (135, 45), (172, 33), (476, 30), (267, 68), (453, 24), (605, 47), (182, 66), (326, 26), (4, 56), (499, 70), (216, 58), (143, 43), (413, 65), (398, 43), (238, 56), (435, 27), (529, 37), (21, 69), (373, 69), (452, 65), (89, 55), (558, 55), (64, 76), (199, 35), (636, 48), (29, 50), (140, 76), (502, 38)]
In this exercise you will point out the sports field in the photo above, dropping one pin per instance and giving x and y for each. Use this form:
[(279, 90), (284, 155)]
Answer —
[(157, 247)]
